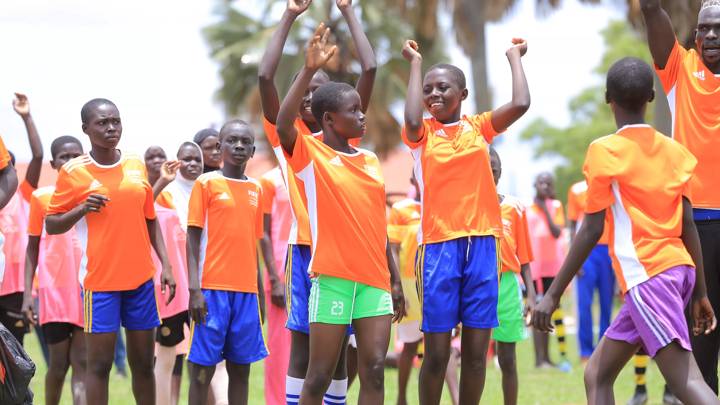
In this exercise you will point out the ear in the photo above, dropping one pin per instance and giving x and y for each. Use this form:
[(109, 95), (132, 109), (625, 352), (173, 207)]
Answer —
[(52, 164), (464, 94), (327, 117), (253, 151), (84, 127), (652, 96), (607, 97)]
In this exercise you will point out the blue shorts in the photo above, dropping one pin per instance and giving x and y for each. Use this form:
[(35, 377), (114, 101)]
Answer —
[(297, 287), (136, 309), (458, 283), (232, 330)]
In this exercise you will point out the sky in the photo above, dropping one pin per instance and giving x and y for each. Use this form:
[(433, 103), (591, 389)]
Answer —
[(150, 58)]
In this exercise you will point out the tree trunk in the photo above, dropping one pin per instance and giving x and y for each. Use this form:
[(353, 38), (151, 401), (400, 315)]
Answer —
[(478, 54)]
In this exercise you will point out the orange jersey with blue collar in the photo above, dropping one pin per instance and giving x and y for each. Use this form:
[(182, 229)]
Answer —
[(452, 166)]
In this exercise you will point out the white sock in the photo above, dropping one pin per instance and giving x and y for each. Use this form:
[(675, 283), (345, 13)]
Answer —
[(336, 393), (293, 387)]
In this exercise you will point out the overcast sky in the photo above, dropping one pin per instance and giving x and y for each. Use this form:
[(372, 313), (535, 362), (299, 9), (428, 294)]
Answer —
[(150, 58)]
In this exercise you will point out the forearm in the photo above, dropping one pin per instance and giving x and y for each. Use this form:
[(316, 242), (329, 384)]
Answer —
[(526, 275), (8, 184), (192, 246), (554, 228), (413, 102), (368, 62), (392, 265), (585, 241), (507, 114), (61, 223), (31, 261), (660, 33), (269, 64), (289, 108), (159, 186), (32, 175), (691, 240), (269, 257), (157, 241)]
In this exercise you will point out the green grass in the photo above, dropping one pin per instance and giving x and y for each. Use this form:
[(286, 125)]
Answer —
[(536, 386)]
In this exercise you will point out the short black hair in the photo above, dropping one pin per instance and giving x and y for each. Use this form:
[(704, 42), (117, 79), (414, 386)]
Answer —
[(203, 134), (12, 157), (493, 152), (232, 123), (91, 105), (327, 97), (455, 72), (630, 84), (60, 141)]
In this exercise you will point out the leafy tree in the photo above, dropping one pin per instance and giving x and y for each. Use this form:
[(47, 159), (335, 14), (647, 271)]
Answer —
[(590, 115)]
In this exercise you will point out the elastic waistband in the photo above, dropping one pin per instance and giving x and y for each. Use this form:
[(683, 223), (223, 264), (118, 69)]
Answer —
[(706, 214)]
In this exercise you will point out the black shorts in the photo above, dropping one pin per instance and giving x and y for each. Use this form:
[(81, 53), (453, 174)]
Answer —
[(11, 316), (172, 330), (56, 332)]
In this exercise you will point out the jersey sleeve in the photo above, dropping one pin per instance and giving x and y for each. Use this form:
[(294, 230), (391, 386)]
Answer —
[(259, 231), (36, 216), (669, 74), (26, 190), (424, 130), (271, 133), (197, 207), (165, 200), (268, 194), (65, 197), (302, 153), (597, 171), (483, 125), (522, 236), (4, 155), (396, 229), (573, 206)]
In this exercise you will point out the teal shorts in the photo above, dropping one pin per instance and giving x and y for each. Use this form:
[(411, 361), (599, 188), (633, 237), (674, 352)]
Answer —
[(339, 301), (510, 310)]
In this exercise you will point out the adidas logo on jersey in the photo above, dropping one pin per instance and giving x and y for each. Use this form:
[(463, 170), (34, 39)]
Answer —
[(223, 196), (336, 161), (700, 75), (95, 185)]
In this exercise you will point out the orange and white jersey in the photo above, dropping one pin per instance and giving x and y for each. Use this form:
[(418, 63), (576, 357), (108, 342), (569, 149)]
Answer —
[(515, 247), (452, 167), (640, 176), (115, 241), (576, 202), (403, 226), (693, 93), (229, 211), (346, 207)]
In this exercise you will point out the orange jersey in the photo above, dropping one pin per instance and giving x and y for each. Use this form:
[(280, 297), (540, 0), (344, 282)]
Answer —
[(229, 211), (515, 249), (4, 155), (452, 167), (115, 241), (693, 93), (641, 176), (576, 202), (403, 226), (346, 207)]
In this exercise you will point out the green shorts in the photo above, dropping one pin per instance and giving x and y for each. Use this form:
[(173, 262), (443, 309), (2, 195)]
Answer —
[(510, 310), (338, 301)]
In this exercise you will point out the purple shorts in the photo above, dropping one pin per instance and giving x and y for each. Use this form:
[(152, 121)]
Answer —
[(653, 315)]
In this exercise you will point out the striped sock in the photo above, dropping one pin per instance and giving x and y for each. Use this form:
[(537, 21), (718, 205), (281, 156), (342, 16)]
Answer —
[(557, 318), (336, 393), (641, 363), (293, 387)]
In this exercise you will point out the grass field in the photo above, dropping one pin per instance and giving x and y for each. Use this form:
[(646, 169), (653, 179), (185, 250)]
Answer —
[(536, 386)]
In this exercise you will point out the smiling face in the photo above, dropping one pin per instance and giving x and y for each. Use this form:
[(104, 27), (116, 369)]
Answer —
[(237, 144), (190, 159), (103, 126), (443, 95), (305, 111), (348, 120), (707, 37)]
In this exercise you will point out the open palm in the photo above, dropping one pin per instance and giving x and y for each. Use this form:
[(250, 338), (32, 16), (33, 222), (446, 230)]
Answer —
[(319, 50)]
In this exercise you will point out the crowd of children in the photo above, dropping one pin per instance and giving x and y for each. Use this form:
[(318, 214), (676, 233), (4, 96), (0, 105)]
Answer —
[(172, 250)]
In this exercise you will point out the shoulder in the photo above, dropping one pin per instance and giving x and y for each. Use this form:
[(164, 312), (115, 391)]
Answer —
[(368, 154), (205, 178), (254, 182), (75, 164), (514, 203), (579, 187), (43, 191)]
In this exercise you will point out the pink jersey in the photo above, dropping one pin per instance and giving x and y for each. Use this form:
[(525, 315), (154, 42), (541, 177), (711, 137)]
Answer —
[(175, 237), (58, 266), (276, 202), (13, 225), (548, 251)]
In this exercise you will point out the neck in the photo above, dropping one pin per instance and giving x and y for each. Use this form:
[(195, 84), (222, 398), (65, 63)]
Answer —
[(234, 172), (455, 117), (623, 119), (313, 126), (153, 177), (336, 142), (105, 156)]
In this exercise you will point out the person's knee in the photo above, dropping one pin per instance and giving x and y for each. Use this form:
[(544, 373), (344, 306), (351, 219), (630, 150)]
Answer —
[(373, 373), (317, 382), (238, 373), (101, 366), (593, 375), (507, 361), (58, 367), (299, 359), (435, 360), (200, 375)]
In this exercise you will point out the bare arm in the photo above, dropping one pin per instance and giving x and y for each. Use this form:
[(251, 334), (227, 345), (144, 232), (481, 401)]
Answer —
[(168, 171), (31, 261), (261, 293), (368, 64), (555, 230), (507, 114), (22, 107), (586, 239), (60, 223), (167, 280), (8, 184), (660, 33), (572, 226), (395, 286), (317, 54), (414, 97), (277, 289), (529, 287), (197, 306), (271, 59)]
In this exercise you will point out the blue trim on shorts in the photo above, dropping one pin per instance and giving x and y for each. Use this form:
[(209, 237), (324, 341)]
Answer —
[(705, 214), (297, 287)]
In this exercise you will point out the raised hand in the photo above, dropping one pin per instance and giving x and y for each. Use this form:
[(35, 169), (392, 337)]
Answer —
[(319, 50), (519, 47), (343, 4), (298, 7), (410, 51), (21, 105), (169, 169)]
